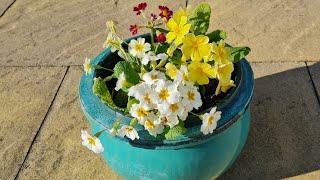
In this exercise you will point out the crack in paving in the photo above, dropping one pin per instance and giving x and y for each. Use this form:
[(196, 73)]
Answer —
[(313, 83), (7, 8), (40, 127)]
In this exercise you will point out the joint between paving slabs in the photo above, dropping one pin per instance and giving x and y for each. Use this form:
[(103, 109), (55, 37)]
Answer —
[(4, 12), (43, 120), (313, 83)]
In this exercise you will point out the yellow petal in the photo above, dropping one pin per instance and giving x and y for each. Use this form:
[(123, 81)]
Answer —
[(171, 25), (171, 70), (170, 37)]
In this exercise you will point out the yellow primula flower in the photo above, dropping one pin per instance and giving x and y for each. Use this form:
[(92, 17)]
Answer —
[(177, 30), (171, 70), (201, 72), (196, 47), (224, 87), (224, 72), (221, 54), (181, 12)]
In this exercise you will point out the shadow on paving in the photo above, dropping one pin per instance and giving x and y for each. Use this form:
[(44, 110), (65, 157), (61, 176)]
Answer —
[(284, 138)]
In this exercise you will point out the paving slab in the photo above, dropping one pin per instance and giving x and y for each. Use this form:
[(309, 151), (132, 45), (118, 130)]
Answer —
[(308, 176), (57, 152), (284, 138), (281, 30), (25, 96), (4, 5), (314, 69), (46, 32)]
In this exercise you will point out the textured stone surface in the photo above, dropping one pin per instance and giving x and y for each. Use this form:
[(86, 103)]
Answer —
[(308, 176), (57, 152), (25, 96), (275, 30), (51, 32), (284, 138), (315, 73), (4, 4)]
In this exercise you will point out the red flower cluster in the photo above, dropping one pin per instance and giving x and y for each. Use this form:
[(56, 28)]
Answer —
[(165, 12), (134, 29), (161, 38), (141, 7)]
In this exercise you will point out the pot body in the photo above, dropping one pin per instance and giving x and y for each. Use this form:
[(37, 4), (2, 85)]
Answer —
[(202, 161), (192, 156)]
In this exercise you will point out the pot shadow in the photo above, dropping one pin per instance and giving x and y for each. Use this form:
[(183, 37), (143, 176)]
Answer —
[(284, 137)]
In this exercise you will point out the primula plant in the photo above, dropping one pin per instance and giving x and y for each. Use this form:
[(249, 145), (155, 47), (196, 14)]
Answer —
[(177, 71)]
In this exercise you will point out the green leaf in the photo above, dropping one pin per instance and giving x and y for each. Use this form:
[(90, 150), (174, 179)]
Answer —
[(237, 53), (200, 19), (100, 89), (131, 102), (217, 35), (176, 131), (130, 74), (176, 57)]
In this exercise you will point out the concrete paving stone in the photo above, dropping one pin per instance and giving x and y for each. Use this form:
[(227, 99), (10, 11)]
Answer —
[(4, 5), (57, 152), (284, 138), (275, 30), (315, 73), (308, 176), (52, 32), (25, 96)]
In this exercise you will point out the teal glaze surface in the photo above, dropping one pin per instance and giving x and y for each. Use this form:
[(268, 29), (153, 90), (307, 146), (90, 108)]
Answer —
[(191, 156)]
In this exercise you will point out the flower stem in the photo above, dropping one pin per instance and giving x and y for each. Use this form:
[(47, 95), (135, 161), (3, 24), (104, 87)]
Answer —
[(195, 114), (100, 67), (152, 38)]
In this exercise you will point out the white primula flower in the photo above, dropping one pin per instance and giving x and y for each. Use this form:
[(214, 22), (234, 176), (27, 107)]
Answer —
[(128, 131), (143, 93), (139, 111), (209, 121), (121, 82), (191, 98), (150, 56), (162, 56), (174, 109), (87, 66), (91, 142), (152, 126), (166, 92), (138, 48), (169, 120), (112, 41), (182, 76), (153, 76)]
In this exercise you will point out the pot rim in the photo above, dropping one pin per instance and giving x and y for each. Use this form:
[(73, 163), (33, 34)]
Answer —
[(238, 101)]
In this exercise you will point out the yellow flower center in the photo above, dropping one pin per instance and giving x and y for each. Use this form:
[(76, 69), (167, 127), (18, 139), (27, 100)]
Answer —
[(210, 120), (147, 98), (141, 112), (174, 107), (165, 120), (91, 141), (164, 94), (129, 129), (191, 96), (149, 124), (154, 77), (139, 47)]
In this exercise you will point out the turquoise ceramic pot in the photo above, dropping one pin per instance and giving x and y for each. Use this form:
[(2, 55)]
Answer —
[(191, 156)]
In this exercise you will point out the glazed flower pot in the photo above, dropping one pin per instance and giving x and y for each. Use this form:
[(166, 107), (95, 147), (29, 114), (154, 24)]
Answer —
[(190, 156)]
